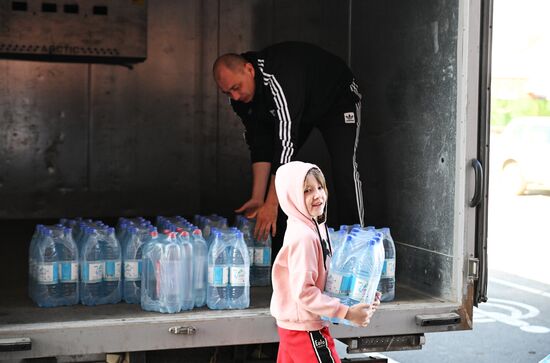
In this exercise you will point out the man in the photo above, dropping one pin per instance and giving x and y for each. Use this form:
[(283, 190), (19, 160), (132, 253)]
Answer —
[(281, 93)]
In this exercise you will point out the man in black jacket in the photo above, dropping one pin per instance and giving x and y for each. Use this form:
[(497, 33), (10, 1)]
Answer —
[(281, 93)]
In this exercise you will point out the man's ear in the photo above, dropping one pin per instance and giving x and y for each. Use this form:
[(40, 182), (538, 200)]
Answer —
[(249, 68)]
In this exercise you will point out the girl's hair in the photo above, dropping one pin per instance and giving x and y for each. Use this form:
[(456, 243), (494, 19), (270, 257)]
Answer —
[(318, 175)]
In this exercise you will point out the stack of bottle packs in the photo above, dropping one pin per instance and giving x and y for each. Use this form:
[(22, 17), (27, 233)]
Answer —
[(168, 268)]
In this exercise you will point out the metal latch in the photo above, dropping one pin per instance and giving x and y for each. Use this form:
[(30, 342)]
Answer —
[(473, 268), (183, 330), (438, 319), (15, 344)]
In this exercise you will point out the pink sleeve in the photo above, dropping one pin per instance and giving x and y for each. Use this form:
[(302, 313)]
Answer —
[(303, 273)]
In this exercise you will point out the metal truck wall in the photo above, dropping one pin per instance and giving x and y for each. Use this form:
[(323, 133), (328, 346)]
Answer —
[(405, 55), (103, 140)]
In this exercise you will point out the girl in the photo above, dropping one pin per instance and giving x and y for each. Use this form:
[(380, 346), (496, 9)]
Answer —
[(300, 270)]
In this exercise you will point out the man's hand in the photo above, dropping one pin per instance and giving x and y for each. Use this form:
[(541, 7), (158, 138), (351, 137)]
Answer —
[(250, 208), (266, 220)]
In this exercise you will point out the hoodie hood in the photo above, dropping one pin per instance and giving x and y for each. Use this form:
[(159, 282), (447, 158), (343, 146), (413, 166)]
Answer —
[(289, 184)]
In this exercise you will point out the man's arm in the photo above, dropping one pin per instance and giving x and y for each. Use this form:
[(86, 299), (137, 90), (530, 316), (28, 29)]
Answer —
[(260, 177), (266, 218)]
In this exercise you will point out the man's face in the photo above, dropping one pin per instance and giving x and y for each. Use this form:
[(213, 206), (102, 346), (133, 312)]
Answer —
[(238, 85)]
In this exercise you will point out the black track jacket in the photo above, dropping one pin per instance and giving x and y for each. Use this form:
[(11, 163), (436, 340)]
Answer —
[(297, 85)]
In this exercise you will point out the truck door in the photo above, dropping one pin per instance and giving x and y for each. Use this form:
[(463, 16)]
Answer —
[(481, 164)]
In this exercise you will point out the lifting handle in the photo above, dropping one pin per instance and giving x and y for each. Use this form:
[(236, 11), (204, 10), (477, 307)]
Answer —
[(438, 319), (478, 194), (15, 344)]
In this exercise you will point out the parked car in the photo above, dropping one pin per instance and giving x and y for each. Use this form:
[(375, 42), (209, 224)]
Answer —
[(525, 161)]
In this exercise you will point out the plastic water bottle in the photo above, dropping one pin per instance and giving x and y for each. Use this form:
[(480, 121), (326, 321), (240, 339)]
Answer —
[(387, 280), (67, 266), (131, 259), (366, 273), (35, 240), (171, 284), (262, 261), (239, 272), (112, 257), (340, 274), (46, 291), (218, 274), (200, 268), (247, 230), (150, 277), (91, 267), (187, 269)]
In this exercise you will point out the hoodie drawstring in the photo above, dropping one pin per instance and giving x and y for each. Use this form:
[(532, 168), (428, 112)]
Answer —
[(325, 246)]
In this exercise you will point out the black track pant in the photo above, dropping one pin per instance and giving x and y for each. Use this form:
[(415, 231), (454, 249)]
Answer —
[(340, 130)]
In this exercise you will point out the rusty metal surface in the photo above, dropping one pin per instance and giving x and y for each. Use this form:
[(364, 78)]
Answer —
[(77, 31), (158, 138)]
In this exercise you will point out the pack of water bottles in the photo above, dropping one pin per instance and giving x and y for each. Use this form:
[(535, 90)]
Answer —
[(228, 284), (75, 261), (53, 266), (183, 269), (133, 234), (363, 262)]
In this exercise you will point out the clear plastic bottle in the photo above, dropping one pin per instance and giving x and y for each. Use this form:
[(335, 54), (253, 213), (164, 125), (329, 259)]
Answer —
[(247, 230), (366, 273), (35, 241), (200, 265), (67, 266), (131, 259), (239, 272), (112, 257), (187, 270), (150, 277), (340, 273), (387, 280), (91, 267), (218, 273), (262, 261), (46, 290), (171, 285)]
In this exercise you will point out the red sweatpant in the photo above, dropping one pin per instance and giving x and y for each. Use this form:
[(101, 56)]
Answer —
[(306, 347)]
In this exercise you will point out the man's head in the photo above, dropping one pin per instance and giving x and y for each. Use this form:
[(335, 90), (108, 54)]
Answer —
[(235, 77)]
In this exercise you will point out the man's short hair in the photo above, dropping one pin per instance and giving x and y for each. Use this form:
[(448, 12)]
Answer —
[(232, 61)]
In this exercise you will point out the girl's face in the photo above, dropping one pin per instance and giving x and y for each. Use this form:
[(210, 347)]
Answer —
[(315, 196)]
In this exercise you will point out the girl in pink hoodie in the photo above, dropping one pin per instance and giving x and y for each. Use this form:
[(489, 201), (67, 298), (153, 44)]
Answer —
[(300, 270)]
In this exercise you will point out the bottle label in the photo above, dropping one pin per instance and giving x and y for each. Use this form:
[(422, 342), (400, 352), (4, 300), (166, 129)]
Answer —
[(389, 268), (359, 288), (338, 284), (112, 270), (238, 276), (132, 270), (46, 273), (218, 276), (68, 272), (92, 271), (262, 256)]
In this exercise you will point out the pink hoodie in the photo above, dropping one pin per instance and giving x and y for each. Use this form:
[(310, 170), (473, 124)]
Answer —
[(299, 272)]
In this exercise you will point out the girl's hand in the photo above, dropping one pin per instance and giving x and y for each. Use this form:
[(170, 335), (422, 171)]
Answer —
[(360, 314)]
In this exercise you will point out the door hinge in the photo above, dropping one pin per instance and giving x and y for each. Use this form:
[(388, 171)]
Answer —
[(473, 268)]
